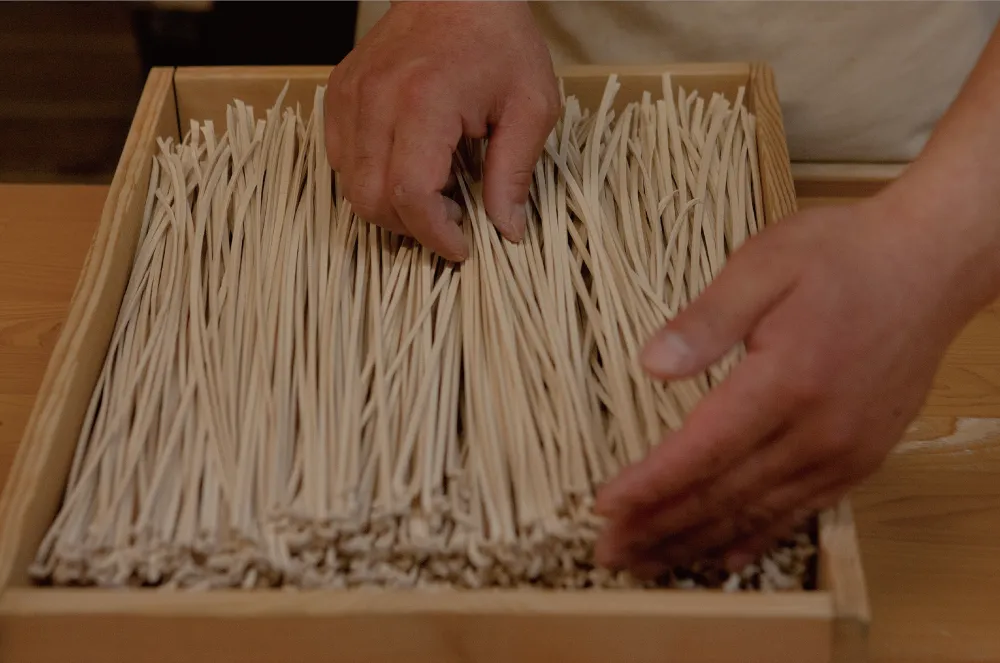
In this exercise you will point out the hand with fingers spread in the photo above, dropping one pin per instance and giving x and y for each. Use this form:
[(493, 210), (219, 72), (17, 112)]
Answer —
[(427, 75), (845, 314), (844, 326)]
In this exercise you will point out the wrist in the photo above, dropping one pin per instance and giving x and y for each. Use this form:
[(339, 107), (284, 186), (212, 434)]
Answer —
[(949, 228)]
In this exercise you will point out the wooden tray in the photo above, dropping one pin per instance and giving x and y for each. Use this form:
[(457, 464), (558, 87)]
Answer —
[(147, 625)]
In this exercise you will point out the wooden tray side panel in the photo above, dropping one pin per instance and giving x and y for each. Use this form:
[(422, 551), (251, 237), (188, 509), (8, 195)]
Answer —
[(843, 180), (415, 639), (204, 92), (843, 575), (476, 627), (37, 478), (778, 188), (587, 82), (839, 555)]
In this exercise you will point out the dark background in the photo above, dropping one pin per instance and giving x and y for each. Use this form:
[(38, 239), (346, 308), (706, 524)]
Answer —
[(71, 72)]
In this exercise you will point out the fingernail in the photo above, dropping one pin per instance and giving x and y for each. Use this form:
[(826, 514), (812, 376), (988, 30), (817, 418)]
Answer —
[(511, 225), (667, 354), (602, 507), (606, 499), (624, 493), (605, 553), (458, 250), (452, 184), (517, 223), (650, 571), (454, 211), (736, 562)]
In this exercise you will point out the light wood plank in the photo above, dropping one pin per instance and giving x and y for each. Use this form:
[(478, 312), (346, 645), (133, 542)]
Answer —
[(968, 381), (930, 540), (843, 180), (204, 92), (45, 232), (476, 627), (778, 189)]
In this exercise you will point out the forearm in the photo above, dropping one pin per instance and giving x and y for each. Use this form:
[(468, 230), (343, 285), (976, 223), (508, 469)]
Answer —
[(950, 196)]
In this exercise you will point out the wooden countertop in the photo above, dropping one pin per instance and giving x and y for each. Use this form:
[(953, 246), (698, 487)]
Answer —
[(929, 522)]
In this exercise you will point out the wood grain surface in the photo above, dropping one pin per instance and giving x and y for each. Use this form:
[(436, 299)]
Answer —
[(772, 148), (929, 522)]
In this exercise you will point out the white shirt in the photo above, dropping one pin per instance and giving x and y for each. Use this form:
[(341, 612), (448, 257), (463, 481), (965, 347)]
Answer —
[(859, 81)]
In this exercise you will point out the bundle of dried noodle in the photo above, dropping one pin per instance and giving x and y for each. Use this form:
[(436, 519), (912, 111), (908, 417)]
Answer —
[(295, 398)]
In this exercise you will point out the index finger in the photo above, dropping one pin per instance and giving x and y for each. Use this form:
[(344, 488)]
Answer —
[(741, 413), (419, 168)]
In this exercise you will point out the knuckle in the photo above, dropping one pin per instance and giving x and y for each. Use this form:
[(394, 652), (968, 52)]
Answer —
[(333, 103), (367, 170), (399, 181), (520, 179), (369, 95), (337, 102), (551, 105), (416, 91), (544, 105), (365, 198), (334, 82), (344, 87)]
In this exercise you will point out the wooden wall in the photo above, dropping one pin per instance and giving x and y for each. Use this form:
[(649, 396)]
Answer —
[(70, 77), (71, 72)]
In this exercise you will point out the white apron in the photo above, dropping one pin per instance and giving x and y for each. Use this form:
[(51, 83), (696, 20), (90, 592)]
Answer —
[(859, 81)]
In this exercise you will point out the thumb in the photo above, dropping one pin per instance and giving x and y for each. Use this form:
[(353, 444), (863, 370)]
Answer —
[(515, 144), (724, 314)]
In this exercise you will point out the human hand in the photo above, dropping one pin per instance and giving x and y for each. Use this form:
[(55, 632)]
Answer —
[(844, 325), (428, 74)]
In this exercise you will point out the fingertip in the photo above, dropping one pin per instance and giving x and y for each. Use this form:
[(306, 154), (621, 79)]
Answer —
[(434, 221), (453, 211), (668, 355), (605, 552), (455, 249), (510, 220), (738, 560), (601, 504), (509, 170), (457, 242), (517, 224), (628, 492), (608, 502)]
